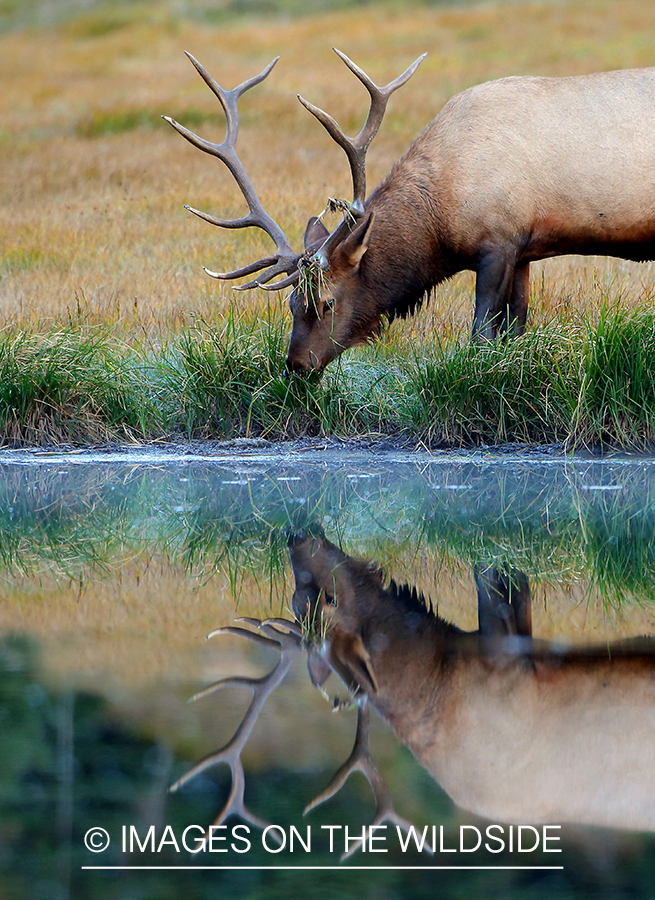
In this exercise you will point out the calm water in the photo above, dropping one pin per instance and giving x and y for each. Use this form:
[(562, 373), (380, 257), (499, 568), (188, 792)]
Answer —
[(472, 634)]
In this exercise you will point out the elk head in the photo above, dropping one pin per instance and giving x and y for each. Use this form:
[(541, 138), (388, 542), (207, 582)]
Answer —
[(333, 301), (328, 586)]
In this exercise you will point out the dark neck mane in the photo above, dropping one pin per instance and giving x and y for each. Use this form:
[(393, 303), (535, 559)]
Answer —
[(415, 608), (405, 260)]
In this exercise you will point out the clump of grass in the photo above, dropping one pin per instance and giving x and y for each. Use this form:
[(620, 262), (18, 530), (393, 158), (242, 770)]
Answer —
[(517, 390), (20, 259), (232, 382), (617, 392), (69, 386), (590, 385)]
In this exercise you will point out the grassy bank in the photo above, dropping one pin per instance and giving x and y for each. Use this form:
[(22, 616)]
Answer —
[(101, 282), (589, 384)]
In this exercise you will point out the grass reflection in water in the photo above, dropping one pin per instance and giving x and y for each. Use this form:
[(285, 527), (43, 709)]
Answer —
[(557, 521)]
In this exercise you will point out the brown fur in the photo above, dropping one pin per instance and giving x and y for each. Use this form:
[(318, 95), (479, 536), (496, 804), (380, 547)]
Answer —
[(511, 728), (509, 172)]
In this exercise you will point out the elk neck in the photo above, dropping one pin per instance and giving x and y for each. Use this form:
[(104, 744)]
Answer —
[(406, 258)]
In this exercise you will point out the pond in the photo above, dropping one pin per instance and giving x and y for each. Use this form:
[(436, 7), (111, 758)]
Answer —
[(469, 636)]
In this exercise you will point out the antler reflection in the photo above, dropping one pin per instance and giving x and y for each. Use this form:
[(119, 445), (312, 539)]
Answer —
[(289, 643), (287, 636), (360, 761)]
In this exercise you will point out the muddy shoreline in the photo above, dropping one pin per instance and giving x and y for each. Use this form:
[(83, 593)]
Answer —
[(368, 448), (329, 451)]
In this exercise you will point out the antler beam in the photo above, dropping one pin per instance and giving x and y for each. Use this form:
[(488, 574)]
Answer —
[(360, 761), (285, 260), (288, 642)]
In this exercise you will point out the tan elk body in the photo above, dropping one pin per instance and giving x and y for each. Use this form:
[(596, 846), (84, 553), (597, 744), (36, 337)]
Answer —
[(516, 733), (509, 172)]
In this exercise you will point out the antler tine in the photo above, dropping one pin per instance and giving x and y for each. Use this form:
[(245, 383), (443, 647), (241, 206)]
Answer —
[(273, 272), (243, 632), (290, 637), (249, 620), (244, 222), (355, 148), (229, 98), (279, 285), (235, 806), (230, 754), (335, 132), (360, 761), (276, 269), (379, 95), (232, 681), (287, 624), (276, 265), (285, 260)]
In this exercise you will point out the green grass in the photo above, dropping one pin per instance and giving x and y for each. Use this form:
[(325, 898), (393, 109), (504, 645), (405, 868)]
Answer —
[(587, 385), (117, 121), (232, 382), (71, 386), (524, 390)]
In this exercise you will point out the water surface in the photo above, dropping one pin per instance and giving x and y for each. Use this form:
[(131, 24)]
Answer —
[(490, 617)]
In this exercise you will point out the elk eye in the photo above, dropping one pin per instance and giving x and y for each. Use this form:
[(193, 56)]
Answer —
[(328, 305)]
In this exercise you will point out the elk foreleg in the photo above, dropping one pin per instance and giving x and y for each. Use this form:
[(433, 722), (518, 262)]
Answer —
[(513, 321), (504, 606), (493, 292)]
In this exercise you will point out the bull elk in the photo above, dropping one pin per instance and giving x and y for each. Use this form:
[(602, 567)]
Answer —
[(509, 172)]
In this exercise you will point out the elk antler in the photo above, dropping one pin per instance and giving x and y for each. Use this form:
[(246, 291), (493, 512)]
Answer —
[(289, 643), (285, 260), (360, 761), (355, 148)]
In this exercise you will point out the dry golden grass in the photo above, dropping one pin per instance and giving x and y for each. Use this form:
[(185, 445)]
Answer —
[(146, 621), (93, 226), (150, 622)]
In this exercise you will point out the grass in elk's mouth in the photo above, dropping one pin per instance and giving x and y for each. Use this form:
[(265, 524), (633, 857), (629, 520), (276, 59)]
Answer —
[(587, 385), (232, 381)]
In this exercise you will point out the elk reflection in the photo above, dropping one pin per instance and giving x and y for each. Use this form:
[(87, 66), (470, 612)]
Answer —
[(512, 728)]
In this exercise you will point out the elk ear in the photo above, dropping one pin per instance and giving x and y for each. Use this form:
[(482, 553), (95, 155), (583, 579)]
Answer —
[(315, 234), (352, 657), (319, 669), (356, 244)]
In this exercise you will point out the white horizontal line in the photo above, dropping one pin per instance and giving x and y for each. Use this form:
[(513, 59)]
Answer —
[(331, 868)]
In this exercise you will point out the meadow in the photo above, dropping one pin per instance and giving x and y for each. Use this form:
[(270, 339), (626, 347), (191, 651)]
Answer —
[(112, 331)]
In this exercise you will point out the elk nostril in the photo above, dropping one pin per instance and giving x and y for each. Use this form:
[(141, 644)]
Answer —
[(296, 369)]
